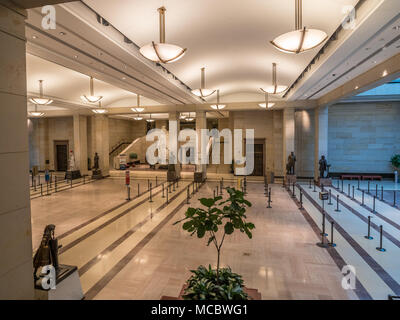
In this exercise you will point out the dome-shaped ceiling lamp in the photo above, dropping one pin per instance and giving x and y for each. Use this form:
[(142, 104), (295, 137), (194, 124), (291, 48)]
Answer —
[(218, 106), (41, 101), (302, 39), (162, 52), (138, 109), (99, 110), (150, 119), (203, 92), (36, 113), (91, 98), (274, 89), (182, 116), (190, 118), (138, 117), (267, 104)]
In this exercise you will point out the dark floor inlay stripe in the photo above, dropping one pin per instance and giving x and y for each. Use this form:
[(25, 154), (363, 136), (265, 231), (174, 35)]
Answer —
[(360, 290), (386, 277)]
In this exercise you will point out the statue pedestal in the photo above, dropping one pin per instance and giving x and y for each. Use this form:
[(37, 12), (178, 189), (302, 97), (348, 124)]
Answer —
[(291, 178), (68, 286), (327, 182), (75, 174), (199, 177), (96, 174)]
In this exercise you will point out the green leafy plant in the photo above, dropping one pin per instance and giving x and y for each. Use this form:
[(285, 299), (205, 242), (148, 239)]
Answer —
[(203, 285), (217, 219), (395, 160)]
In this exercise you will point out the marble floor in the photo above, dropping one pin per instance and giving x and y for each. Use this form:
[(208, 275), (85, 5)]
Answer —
[(132, 250)]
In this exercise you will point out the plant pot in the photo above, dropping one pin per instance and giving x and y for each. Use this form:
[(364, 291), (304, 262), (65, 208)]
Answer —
[(252, 293)]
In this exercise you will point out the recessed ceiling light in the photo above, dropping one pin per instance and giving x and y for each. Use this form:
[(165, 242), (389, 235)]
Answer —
[(62, 33), (123, 78), (34, 37), (76, 57)]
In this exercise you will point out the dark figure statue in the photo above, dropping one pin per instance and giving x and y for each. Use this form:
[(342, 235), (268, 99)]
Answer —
[(323, 166), (96, 161), (291, 164), (47, 254)]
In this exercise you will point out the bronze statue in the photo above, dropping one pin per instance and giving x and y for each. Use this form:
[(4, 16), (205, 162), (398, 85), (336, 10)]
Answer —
[(323, 166), (47, 254), (96, 161), (291, 164)]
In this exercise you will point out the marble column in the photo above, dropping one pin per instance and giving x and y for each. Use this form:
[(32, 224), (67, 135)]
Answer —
[(173, 144), (100, 142), (201, 123), (321, 137), (288, 134), (16, 271), (80, 143)]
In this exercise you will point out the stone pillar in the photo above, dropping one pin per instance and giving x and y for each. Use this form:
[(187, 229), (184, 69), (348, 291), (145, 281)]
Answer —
[(80, 143), (201, 123), (16, 270), (321, 137), (172, 142), (278, 142), (288, 135), (101, 145)]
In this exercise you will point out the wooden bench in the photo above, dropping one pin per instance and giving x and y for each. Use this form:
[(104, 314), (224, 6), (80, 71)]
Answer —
[(372, 177), (350, 177)]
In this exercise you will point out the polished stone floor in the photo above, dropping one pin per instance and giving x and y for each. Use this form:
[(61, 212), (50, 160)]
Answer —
[(131, 250)]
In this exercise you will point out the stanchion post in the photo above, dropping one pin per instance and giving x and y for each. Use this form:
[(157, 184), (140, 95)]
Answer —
[(358, 184), (362, 197), (368, 236), (166, 199), (55, 183), (382, 193), (293, 191), (352, 196), (128, 190), (138, 189), (315, 190), (162, 187), (269, 200), (373, 205), (332, 244), (381, 248), (187, 195), (394, 198), (323, 225), (309, 187), (41, 190), (337, 204), (330, 197), (348, 189), (369, 182), (301, 199), (151, 193), (342, 184)]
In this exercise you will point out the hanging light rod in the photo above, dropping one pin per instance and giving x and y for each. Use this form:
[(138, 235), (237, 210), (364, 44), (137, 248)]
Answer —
[(91, 98), (36, 113), (138, 109), (266, 104), (41, 100), (302, 39), (275, 88), (218, 106), (150, 119), (162, 52), (203, 92)]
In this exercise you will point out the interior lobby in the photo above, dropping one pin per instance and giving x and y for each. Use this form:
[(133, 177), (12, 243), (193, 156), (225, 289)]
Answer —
[(200, 150)]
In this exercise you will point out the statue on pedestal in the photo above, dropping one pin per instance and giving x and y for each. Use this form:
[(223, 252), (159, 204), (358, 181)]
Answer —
[(96, 161), (323, 166), (290, 166), (96, 173)]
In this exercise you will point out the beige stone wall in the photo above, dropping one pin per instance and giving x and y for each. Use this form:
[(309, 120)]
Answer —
[(304, 142), (363, 136)]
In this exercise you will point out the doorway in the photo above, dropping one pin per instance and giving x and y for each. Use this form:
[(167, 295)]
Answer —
[(258, 159), (61, 155)]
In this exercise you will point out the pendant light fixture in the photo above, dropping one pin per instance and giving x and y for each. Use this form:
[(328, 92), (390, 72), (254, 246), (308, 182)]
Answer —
[(182, 116), (150, 119), (162, 52), (138, 108), (203, 92), (274, 89), (36, 113), (41, 100), (218, 106), (267, 104), (138, 117), (190, 118), (99, 110), (91, 98), (302, 39)]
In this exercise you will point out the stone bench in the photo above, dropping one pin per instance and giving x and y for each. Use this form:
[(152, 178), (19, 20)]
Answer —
[(350, 177), (372, 177)]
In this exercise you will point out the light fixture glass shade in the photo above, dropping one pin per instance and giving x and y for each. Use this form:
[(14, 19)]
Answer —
[(137, 109), (99, 111), (162, 52), (138, 118), (36, 114), (190, 119), (91, 99), (299, 40), (203, 92), (218, 106), (264, 105), (182, 117), (274, 89), (150, 120), (40, 101)]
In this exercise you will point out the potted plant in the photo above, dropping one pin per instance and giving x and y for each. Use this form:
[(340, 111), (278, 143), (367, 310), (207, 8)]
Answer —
[(217, 219), (395, 161)]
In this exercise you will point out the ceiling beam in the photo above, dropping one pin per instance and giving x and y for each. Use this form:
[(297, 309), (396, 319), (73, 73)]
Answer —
[(379, 75), (28, 4)]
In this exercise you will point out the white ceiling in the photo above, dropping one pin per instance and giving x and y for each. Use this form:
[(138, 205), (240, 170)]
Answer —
[(64, 84), (229, 37)]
